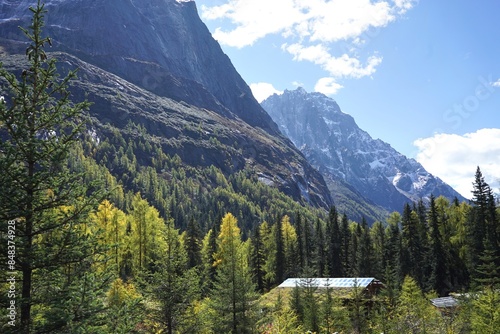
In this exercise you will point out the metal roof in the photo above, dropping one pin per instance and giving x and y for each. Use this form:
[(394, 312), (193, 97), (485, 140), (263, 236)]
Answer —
[(344, 282), (444, 302)]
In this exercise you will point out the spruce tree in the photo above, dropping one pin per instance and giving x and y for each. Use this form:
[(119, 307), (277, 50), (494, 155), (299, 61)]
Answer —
[(413, 251), (257, 258), (366, 256), (320, 256), (483, 223), (334, 244), (378, 238), (173, 284), (393, 276), (193, 243), (280, 260), (345, 244), (47, 204), (437, 279), (300, 239)]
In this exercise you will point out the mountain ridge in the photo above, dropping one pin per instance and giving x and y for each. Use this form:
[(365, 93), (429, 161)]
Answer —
[(162, 47), (342, 152)]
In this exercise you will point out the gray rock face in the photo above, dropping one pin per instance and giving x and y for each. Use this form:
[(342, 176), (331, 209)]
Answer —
[(335, 145), (159, 45), (139, 57)]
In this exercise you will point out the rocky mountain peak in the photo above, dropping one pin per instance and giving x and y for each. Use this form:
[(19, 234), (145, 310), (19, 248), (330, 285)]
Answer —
[(334, 144)]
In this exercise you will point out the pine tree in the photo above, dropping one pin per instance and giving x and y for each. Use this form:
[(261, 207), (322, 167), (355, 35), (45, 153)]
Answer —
[(344, 241), (334, 245), (483, 223), (234, 292), (173, 283), (365, 258), (39, 126), (393, 276), (355, 255), (193, 243), (320, 256), (378, 238), (487, 272), (300, 239), (413, 252), (280, 260), (437, 255), (257, 258)]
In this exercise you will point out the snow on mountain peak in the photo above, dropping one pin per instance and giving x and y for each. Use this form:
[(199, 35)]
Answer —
[(334, 143)]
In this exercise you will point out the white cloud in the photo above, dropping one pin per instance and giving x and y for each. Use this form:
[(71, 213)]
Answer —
[(309, 28), (496, 83), (327, 86), (454, 158), (319, 20), (253, 19), (262, 90), (343, 66)]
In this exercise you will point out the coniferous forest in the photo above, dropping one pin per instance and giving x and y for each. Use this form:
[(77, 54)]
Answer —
[(104, 232)]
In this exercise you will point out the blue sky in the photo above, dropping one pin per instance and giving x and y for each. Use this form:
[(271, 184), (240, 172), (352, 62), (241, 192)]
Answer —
[(424, 76)]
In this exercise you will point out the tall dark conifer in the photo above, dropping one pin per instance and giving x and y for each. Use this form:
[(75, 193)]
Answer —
[(345, 244), (334, 244), (257, 258), (437, 256), (193, 243), (300, 239), (413, 252), (280, 251), (393, 276), (45, 203), (320, 253), (483, 224), (366, 256)]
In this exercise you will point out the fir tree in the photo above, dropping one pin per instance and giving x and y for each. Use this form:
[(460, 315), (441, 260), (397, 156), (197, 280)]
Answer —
[(365, 249), (257, 258), (413, 252), (320, 256), (334, 244), (345, 244), (483, 223), (193, 243), (39, 126), (300, 239), (437, 254), (280, 261)]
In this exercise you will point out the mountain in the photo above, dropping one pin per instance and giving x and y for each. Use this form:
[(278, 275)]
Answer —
[(349, 158), (154, 63)]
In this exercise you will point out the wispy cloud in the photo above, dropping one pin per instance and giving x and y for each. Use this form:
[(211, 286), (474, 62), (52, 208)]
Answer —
[(310, 28), (496, 83), (454, 158)]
